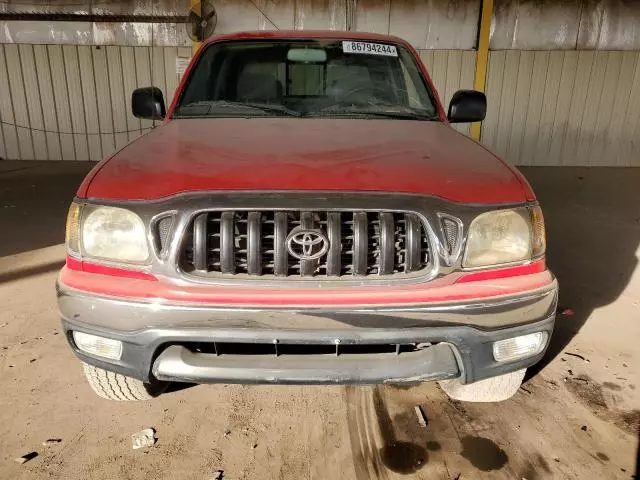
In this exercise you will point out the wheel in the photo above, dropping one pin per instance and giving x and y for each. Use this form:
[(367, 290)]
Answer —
[(494, 389), (114, 386)]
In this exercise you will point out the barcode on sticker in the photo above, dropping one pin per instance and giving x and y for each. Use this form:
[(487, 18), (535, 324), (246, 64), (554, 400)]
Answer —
[(368, 48)]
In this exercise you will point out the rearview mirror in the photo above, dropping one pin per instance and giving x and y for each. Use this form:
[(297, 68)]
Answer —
[(467, 106), (148, 103), (307, 55)]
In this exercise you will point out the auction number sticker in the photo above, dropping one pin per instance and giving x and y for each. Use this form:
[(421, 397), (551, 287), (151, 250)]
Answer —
[(369, 48)]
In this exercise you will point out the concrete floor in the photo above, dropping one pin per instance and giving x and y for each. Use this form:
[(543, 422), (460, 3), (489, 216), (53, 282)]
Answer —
[(573, 418)]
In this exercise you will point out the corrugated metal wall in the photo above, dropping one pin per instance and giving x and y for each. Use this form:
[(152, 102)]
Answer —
[(564, 107), (439, 25), (70, 102), (566, 25), (450, 70)]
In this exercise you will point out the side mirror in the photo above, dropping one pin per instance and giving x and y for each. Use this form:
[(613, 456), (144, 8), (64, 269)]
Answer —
[(148, 103), (467, 106)]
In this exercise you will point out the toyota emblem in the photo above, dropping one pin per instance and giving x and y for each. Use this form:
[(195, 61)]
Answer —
[(307, 244)]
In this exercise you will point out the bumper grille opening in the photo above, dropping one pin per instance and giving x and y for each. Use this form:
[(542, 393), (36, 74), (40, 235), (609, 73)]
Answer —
[(296, 244), (282, 349)]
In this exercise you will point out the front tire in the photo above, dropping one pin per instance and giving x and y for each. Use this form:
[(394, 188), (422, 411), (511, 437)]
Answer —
[(494, 389), (114, 386)]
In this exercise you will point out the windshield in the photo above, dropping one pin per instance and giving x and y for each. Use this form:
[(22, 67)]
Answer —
[(314, 78)]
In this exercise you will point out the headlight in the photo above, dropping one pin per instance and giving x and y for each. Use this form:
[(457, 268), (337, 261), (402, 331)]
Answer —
[(505, 236), (112, 233)]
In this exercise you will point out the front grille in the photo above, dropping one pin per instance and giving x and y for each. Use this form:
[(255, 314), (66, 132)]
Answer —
[(298, 244)]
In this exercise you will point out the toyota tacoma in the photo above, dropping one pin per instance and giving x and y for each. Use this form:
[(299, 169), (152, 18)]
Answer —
[(304, 213)]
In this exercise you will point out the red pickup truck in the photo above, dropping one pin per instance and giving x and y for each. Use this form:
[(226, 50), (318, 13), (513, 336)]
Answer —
[(306, 214)]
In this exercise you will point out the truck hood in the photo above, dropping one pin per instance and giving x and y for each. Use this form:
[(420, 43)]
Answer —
[(428, 158)]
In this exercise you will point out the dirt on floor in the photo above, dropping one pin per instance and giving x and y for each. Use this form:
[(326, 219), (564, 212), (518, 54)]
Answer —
[(576, 416)]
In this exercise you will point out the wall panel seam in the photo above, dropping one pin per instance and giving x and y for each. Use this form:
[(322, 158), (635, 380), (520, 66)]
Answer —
[(584, 105), (26, 102), (13, 107), (86, 125), (555, 109), (46, 136), (513, 105), (66, 84), (542, 100), (53, 100)]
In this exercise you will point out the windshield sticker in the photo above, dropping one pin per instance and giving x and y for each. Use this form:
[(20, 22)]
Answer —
[(367, 48)]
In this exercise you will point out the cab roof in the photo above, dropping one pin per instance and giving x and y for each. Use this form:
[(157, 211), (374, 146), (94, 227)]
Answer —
[(305, 34)]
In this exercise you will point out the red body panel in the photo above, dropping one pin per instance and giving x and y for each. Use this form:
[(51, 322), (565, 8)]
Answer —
[(427, 158), (92, 267), (164, 291), (536, 266)]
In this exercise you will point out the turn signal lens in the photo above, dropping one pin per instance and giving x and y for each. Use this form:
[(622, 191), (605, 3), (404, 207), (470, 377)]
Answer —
[(539, 237), (72, 230)]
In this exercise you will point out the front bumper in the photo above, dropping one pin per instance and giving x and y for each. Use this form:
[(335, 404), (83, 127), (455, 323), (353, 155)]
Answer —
[(158, 339)]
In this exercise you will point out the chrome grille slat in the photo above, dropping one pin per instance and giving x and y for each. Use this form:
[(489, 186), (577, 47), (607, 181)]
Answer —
[(360, 243), (307, 267), (227, 255), (280, 244), (334, 261), (200, 242), (253, 244), (387, 249), (412, 254)]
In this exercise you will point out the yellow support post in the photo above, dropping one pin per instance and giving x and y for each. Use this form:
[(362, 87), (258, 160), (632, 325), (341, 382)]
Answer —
[(196, 7), (482, 56)]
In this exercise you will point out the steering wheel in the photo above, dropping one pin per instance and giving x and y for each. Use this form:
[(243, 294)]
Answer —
[(344, 98)]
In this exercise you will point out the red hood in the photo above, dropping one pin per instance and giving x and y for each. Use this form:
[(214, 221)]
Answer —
[(426, 158)]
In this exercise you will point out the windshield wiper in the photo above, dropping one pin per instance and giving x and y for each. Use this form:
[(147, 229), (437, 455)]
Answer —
[(402, 115), (264, 107)]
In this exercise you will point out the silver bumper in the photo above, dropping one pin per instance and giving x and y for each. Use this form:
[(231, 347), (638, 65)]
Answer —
[(159, 339), (133, 316)]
